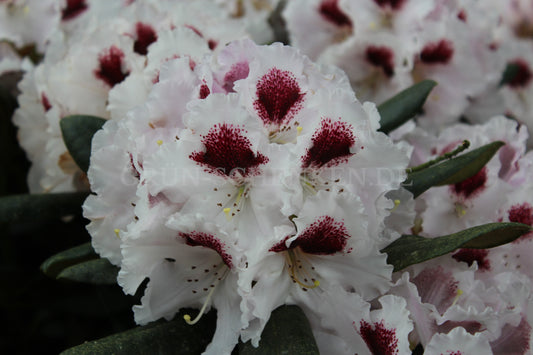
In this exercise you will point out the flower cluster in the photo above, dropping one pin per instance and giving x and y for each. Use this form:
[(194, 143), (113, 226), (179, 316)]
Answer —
[(263, 184)]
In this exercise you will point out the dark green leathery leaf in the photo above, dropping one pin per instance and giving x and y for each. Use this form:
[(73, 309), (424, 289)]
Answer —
[(96, 272), (404, 106), (78, 131), (32, 207), (287, 332), (414, 249), (161, 337), (451, 171), (56, 263)]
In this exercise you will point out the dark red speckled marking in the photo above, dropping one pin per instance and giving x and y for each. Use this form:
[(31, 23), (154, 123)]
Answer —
[(330, 11), (228, 152), (378, 338), (73, 9), (325, 236), (381, 57), (522, 213), (110, 69), (330, 144), (208, 241), (513, 340), (470, 255), (523, 75), (237, 71), (471, 326), (146, 35), (45, 102), (472, 186), (204, 91), (461, 15), (278, 97), (393, 4), (440, 52), (437, 286)]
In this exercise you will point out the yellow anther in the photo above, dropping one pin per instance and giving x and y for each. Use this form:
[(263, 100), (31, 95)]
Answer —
[(159, 142), (458, 294), (317, 283), (396, 204), (227, 212), (117, 232), (204, 306), (460, 209), (299, 129), (373, 25)]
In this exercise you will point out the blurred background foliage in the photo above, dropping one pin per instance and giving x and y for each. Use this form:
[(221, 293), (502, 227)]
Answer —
[(42, 315)]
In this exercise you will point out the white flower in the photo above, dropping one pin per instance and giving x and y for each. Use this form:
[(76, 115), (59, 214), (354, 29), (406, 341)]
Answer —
[(458, 341), (254, 14), (190, 263), (223, 166), (475, 200), (386, 330), (114, 176), (329, 247)]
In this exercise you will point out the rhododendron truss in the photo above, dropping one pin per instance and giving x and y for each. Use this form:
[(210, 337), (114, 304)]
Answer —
[(282, 190)]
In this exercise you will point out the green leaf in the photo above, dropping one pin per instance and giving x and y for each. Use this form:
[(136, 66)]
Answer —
[(26, 208), (96, 272), (510, 73), (414, 249), (162, 337), (451, 171), (54, 264), (404, 106), (287, 332), (78, 131)]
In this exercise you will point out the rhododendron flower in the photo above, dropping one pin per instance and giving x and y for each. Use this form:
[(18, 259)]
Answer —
[(190, 263), (470, 202), (254, 15), (327, 248), (458, 341)]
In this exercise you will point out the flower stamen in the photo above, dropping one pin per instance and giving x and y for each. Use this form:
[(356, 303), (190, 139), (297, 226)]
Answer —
[(297, 271), (227, 212), (459, 293), (187, 317), (460, 209), (235, 204)]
